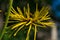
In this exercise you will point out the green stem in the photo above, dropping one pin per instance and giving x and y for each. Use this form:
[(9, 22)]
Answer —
[(7, 18)]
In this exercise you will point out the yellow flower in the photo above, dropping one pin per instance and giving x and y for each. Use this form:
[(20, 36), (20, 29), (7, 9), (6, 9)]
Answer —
[(26, 18)]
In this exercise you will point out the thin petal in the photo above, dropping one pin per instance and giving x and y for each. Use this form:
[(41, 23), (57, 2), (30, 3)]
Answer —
[(27, 38), (18, 30), (36, 14), (19, 24), (13, 10), (28, 11), (35, 33), (44, 12), (47, 23), (43, 17), (19, 10)]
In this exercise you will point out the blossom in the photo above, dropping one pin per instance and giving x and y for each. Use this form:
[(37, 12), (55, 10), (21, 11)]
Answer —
[(32, 20)]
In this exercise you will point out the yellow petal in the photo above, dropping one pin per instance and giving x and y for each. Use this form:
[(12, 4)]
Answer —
[(28, 11), (17, 25), (27, 38), (35, 33), (36, 14), (47, 23), (18, 30), (13, 10), (44, 12), (19, 10)]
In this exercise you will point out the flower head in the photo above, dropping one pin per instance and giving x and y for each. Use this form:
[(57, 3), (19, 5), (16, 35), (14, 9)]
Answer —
[(26, 18)]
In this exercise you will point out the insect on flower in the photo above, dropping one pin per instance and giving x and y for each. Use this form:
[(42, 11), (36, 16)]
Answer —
[(29, 19)]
